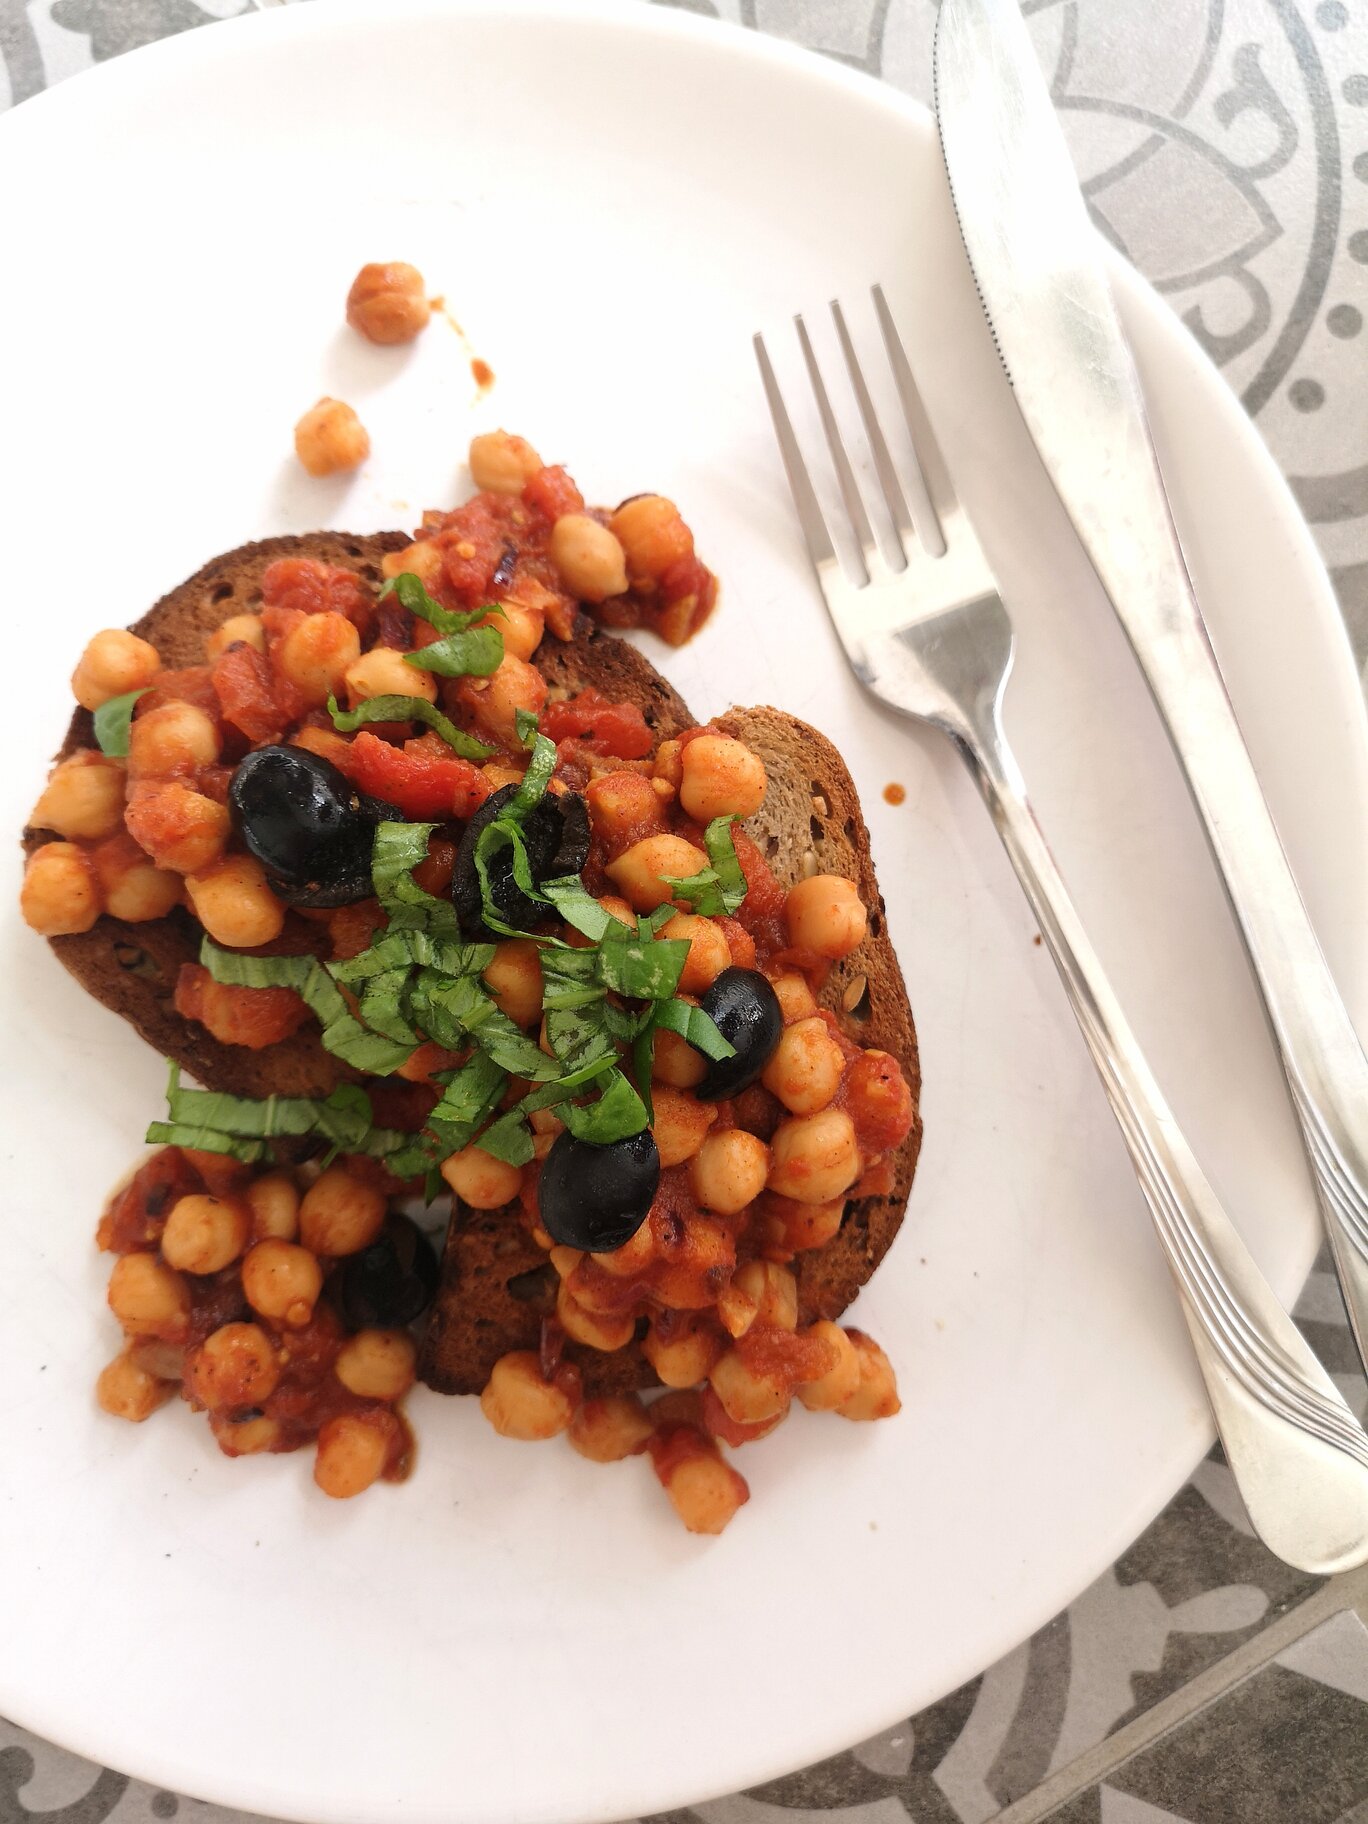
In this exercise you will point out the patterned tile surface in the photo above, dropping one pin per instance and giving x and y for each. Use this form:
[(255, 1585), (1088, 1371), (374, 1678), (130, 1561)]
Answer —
[(1227, 155)]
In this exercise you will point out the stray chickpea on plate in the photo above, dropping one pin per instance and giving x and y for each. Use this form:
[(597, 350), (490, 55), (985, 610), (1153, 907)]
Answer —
[(452, 906)]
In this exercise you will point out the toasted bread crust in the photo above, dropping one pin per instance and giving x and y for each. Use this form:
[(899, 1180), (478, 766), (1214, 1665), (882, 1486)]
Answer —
[(496, 1283)]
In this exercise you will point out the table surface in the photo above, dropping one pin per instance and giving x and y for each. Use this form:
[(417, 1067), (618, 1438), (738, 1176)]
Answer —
[(1223, 146)]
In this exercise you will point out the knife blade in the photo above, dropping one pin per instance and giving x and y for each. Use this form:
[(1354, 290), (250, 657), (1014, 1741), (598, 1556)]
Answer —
[(1037, 261)]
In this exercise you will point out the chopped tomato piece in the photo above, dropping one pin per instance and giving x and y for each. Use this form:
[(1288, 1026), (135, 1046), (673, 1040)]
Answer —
[(764, 899), (243, 684), (688, 594), (311, 587), (194, 684), (423, 778), (878, 1101), (252, 1017), (553, 493), (616, 730), (353, 928)]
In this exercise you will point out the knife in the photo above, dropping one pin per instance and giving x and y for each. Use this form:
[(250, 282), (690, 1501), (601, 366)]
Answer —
[(1037, 261)]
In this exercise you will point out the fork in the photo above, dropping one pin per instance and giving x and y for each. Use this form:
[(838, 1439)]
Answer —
[(932, 641)]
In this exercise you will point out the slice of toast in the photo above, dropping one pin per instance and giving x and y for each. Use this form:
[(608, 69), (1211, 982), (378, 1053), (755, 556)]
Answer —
[(497, 1284), (132, 969)]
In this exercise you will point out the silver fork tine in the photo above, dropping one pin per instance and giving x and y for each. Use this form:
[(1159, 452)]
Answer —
[(845, 475), (820, 548), (883, 461), (940, 492)]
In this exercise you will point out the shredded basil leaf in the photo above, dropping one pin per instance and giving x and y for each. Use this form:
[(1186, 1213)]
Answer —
[(343, 1034), (468, 1100), (509, 1138), (476, 653), (617, 1114), (408, 709), (697, 1027), (525, 723), (643, 1063), (535, 780), (455, 1013), (644, 969), (578, 907), (721, 886), (203, 1140), (113, 720), (492, 838), (399, 849), (412, 949), (414, 596)]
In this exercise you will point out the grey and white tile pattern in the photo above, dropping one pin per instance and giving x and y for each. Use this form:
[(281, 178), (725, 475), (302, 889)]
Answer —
[(1224, 148)]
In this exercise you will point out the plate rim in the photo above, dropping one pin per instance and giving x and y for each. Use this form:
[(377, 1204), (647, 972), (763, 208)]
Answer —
[(236, 1788)]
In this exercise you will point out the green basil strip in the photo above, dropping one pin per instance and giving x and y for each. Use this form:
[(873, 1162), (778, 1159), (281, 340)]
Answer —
[(412, 949), (343, 1034), (617, 1114), (578, 907), (381, 1008), (697, 1027), (535, 780), (408, 709), (468, 1100), (476, 653), (413, 596), (509, 1138), (493, 837), (113, 720), (204, 1140), (399, 849), (643, 1062), (454, 1012), (644, 970), (525, 722), (721, 846)]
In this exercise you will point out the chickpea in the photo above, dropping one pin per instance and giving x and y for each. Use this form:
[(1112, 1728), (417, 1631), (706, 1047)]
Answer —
[(736, 1310), (514, 978), (83, 799), (729, 1171), (236, 1365), (676, 1062), (205, 1234), (796, 999), (685, 1354), (825, 914), (237, 630), (497, 699), (814, 1158), (149, 1298), (317, 654), (423, 559), (681, 1124), (113, 663), (605, 1331), (669, 763), (325, 742), (282, 1282), (588, 558), (610, 1429), (340, 1213), (521, 625), (60, 895), (721, 777), (274, 1203), (129, 1392), (175, 737), (708, 953), (388, 302), (640, 871), (622, 804), (481, 1180), (805, 1068), (234, 904), (652, 535), (519, 1404), (876, 1397), (705, 1492), (841, 1380), (246, 1437), (812, 1225), (774, 1290), (353, 1452), (131, 887), (747, 1396), (330, 438), (501, 463), (180, 828), (377, 1364), (382, 672)]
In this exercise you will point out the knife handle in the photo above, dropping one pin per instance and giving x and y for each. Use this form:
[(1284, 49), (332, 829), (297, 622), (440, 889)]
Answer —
[(1326, 1069), (1299, 1456)]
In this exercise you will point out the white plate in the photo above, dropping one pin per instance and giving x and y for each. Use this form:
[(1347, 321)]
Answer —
[(612, 201)]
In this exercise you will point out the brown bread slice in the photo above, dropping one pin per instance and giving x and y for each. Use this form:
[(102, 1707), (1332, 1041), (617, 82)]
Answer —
[(132, 969), (496, 1283)]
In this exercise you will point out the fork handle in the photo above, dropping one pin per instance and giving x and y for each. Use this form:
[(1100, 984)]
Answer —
[(1299, 1456)]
